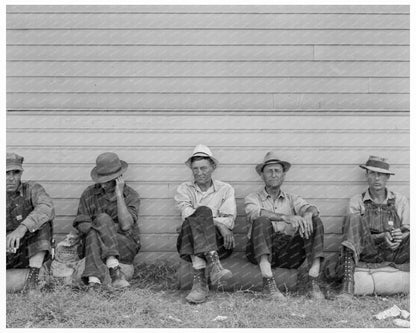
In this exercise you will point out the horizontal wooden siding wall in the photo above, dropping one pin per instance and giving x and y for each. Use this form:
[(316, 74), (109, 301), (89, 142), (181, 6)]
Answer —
[(325, 86)]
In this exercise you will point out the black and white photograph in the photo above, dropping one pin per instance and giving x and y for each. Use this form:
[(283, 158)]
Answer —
[(237, 165)]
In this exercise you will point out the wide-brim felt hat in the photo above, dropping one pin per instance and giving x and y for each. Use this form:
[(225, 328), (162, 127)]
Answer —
[(204, 151), (108, 167), (377, 164), (272, 158)]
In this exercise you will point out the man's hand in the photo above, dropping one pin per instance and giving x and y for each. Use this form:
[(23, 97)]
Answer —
[(397, 235), (120, 185), (84, 227), (13, 238), (389, 241), (228, 236), (307, 218)]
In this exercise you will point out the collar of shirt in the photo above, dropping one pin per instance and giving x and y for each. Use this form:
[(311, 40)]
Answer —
[(211, 189), (367, 196), (264, 195)]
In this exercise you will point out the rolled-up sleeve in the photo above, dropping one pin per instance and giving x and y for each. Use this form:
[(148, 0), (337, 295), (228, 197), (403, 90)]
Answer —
[(300, 205), (43, 208), (227, 212), (355, 205), (183, 199), (403, 210), (252, 207)]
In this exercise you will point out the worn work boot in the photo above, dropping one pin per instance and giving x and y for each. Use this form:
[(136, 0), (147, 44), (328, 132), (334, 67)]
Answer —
[(117, 278), (315, 290), (32, 281), (218, 274), (199, 291), (270, 289), (347, 289)]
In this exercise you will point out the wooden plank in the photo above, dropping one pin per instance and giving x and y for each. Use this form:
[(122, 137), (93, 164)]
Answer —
[(204, 21), (211, 138), (375, 53), (328, 9), (187, 101), (390, 85), (227, 155), (196, 85), (168, 224), (166, 207), (198, 37), (223, 121), (165, 53)]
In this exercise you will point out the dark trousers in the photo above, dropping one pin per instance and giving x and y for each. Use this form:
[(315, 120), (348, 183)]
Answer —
[(283, 250), (357, 237), (30, 244), (199, 235), (103, 240)]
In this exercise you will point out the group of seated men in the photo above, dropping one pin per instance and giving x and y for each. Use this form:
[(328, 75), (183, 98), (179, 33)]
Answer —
[(284, 229)]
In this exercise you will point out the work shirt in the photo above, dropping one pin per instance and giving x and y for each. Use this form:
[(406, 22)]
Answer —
[(95, 200), (357, 205), (285, 203), (30, 205), (219, 197)]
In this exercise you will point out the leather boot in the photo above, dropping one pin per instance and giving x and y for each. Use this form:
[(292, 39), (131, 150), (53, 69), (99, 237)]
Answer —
[(217, 272), (32, 281), (347, 289), (270, 289), (118, 279), (199, 291)]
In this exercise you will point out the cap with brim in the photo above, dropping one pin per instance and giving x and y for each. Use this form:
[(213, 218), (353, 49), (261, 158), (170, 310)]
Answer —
[(108, 167), (14, 162)]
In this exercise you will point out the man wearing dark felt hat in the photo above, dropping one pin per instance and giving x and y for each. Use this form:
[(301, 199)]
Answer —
[(107, 221), (285, 230), (29, 215), (377, 228)]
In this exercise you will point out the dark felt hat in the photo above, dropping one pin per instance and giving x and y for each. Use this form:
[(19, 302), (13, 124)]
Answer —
[(108, 167)]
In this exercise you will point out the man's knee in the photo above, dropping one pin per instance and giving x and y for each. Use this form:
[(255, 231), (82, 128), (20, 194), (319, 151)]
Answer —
[(262, 221), (103, 218), (203, 211)]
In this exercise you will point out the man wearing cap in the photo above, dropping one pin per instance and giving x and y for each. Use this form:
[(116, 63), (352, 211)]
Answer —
[(377, 225), (284, 229), (208, 210), (29, 215), (107, 221)]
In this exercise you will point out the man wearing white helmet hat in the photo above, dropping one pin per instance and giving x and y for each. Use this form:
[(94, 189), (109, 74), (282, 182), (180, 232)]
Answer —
[(208, 210), (377, 226)]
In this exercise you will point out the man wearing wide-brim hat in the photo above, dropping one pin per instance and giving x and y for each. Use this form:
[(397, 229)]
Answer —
[(208, 211), (29, 215), (285, 230), (377, 226), (107, 221)]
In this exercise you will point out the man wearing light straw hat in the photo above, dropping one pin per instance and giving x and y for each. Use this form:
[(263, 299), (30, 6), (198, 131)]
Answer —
[(107, 221), (377, 226), (208, 210)]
